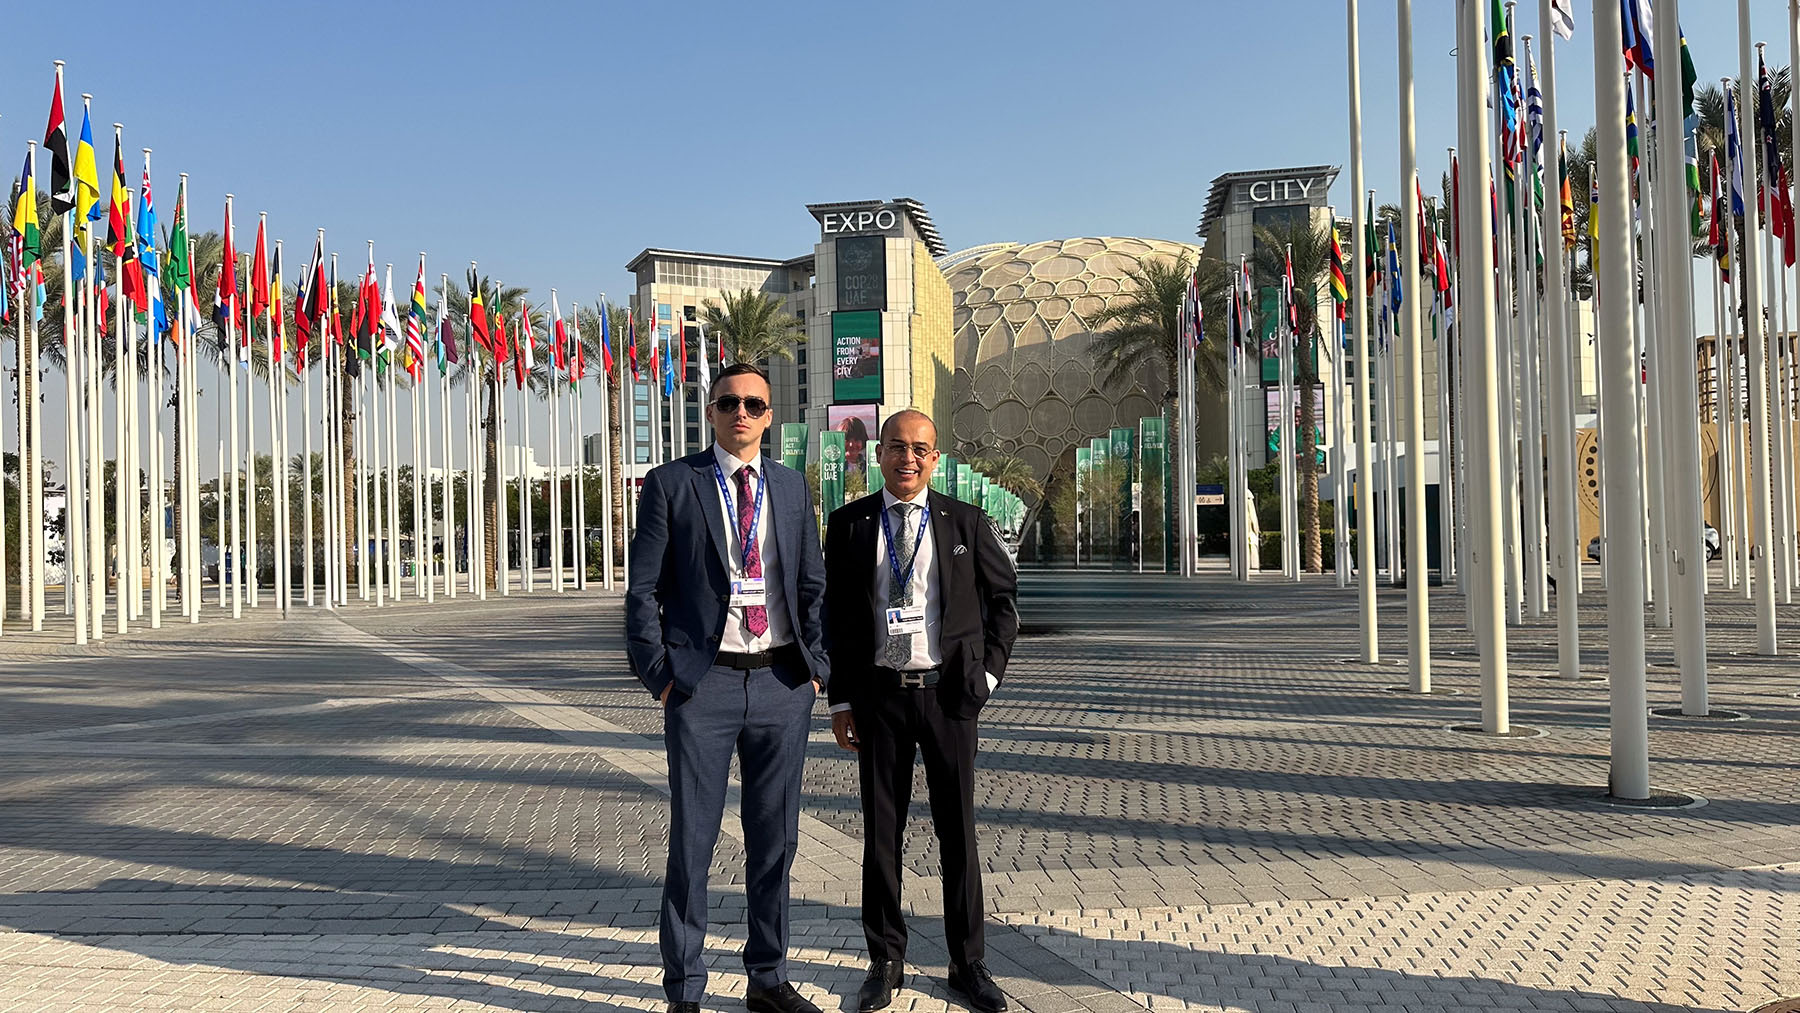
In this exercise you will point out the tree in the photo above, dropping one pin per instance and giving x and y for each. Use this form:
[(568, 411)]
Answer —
[(1311, 255), (752, 326), (1010, 472)]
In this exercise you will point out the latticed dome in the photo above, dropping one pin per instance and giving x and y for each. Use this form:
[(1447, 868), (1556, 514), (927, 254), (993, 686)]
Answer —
[(1025, 364)]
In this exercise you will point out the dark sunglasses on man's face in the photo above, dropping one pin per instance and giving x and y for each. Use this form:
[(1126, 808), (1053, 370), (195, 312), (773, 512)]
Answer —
[(753, 406)]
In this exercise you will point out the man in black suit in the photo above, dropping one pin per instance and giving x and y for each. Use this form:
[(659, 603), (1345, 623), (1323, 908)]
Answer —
[(723, 625), (923, 618)]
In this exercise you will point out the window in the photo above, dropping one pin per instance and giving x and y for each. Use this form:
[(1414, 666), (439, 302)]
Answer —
[(801, 356)]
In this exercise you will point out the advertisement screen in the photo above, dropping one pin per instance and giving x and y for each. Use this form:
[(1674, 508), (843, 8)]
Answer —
[(862, 273), (860, 427), (1272, 413), (856, 357)]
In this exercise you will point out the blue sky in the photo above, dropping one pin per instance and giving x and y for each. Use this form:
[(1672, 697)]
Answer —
[(552, 141)]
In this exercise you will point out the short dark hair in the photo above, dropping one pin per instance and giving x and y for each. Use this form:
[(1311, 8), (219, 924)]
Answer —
[(738, 369)]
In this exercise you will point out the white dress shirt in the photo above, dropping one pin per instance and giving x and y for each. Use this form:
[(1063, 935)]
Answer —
[(736, 637), (925, 648)]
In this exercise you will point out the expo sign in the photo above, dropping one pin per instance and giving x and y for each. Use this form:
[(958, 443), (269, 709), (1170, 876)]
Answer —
[(864, 220)]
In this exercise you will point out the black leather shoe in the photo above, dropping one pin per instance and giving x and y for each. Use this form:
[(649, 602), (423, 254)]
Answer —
[(778, 999), (976, 985), (684, 1007), (877, 990)]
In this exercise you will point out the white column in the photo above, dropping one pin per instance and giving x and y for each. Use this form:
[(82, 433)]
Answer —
[(1418, 569), (1749, 274), (1359, 313), (1630, 773)]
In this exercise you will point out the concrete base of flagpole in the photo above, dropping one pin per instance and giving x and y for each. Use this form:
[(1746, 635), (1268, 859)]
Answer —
[(1660, 798), (1513, 732), (1718, 714), (1433, 691)]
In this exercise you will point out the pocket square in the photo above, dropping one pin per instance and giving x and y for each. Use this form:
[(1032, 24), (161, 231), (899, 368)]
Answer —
[(959, 550)]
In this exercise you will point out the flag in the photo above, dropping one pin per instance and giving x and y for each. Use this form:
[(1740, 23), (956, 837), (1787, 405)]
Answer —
[(700, 349), (56, 145), (606, 354), (1635, 25), (501, 352), (678, 334), (259, 271), (390, 322), (1396, 294), (1534, 119), (1734, 152), (415, 328), (310, 308), (668, 364), (1562, 19), (25, 224), (1778, 205), (478, 325), (1719, 226), (365, 318), (1689, 76), (87, 191), (119, 241), (1340, 286), (225, 293), (1566, 196), (1690, 150), (580, 354), (1505, 77), (150, 260), (631, 343), (277, 325), (655, 348), (559, 336), (1631, 137), (1287, 293), (181, 271), (1371, 246), (524, 358)]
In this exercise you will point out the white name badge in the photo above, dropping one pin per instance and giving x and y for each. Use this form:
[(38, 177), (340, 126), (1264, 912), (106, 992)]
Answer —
[(749, 591), (905, 619)]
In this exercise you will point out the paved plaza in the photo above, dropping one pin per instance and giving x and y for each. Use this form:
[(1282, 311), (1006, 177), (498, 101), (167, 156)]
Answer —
[(1191, 797)]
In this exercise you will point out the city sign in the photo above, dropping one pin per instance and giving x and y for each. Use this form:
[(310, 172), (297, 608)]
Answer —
[(1285, 191)]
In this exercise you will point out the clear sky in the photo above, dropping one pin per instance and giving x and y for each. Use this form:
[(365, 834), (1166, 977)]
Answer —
[(553, 141)]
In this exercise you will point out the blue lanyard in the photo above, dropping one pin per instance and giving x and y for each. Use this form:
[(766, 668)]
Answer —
[(887, 529), (755, 511)]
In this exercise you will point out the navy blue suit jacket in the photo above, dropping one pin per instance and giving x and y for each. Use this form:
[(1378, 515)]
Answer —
[(676, 597)]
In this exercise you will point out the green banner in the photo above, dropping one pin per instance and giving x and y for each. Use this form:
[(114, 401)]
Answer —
[(856, 357), (794, 437), (940, 475), (978, 486), (831, 471), (1122, 439), (965, 480)]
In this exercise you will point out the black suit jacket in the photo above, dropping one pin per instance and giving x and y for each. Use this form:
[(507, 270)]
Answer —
[(678, 591), (977, 589)]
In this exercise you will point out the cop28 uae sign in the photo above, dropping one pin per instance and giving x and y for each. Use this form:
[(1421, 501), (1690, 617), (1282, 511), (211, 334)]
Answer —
[(856, 357)]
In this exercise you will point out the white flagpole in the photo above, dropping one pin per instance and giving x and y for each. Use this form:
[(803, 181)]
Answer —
[(1531, 388), (395, 584), (75, 575), (159, 580), (230, 365), (1680, 401), (1479, 310), (1722, 415), (628, 451), (1650, 331), (190, 473), (1630, 774), (378, 516), (447, 492), (503, 551), (274, 363), (606, 508), (252, 581), (124, 335), (1750, 272), (579, 490), (555, 488), (527, 535), (1565, 550), (1418, 611), (1359, 296), (31, 483), (364, 587)]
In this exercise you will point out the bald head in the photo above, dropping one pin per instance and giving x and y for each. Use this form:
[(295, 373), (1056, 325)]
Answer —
[(908, 452)]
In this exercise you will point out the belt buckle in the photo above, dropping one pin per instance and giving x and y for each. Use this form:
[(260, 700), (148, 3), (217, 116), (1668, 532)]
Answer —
[(912, 680)]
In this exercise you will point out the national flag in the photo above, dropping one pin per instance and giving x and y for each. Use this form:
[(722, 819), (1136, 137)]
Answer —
[(478, 324), (1534, 121), (524, 357), (56, 145), (580, 354), (277, 324), (181, 271), (1566, 196), (1636, 28), (365, 319), (1778, 205), (1734, 152), (668, 364), (87, 192), (310, 311), (1689, 76), (502, 354), (1288, 294), (559, 336), (336, 318), (1690, 151), (1371, 245), (119, 241), (606, 353), (631, 342), (446, 341), (1506, 82), (225, 293), (1340, 286), (1631, 137), (1719, 224), (1243, 299), (655, 349), (259, 271), (1396, 294), (415, 327), (25, 224), (678, 334), (389, 320), (1562, 18), (150, 260), (700, 350)]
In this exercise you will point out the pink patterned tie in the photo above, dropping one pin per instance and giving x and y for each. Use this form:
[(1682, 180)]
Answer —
[(756, 617)]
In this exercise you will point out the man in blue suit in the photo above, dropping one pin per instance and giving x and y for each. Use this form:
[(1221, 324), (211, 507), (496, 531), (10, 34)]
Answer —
[(722, 624)]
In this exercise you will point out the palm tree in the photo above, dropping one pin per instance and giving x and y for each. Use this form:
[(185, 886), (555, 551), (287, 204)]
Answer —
[(1010, 472), (1311, 254), (752, 326), (478, 362)]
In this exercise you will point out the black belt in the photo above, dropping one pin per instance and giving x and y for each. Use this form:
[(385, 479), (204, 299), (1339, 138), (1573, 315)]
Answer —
[(746, 660), (914, 679)]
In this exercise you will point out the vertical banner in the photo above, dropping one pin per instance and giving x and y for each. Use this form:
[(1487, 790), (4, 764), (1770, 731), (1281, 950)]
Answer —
[(1153, 474), (1124, 517), (856, 357), (1084, 460), (793, 445), (978, 490), (941, 476), (1103, 499), (965, 481), (831, 471)]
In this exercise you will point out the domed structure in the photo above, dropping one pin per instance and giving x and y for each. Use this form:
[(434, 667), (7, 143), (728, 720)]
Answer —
[(1026, 372)]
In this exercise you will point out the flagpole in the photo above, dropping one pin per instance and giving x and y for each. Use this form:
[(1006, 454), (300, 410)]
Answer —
[(273, 360), (555, 489), (392, 550), (1532, 397), (1727, 457), (1750, 271), (606, 512), (627, 449), (578, 440), (190, 475), (1365, 512), (252, 579), (1418, 611), (22, 376), (527, 534), (126, 473), (124, 328), (33, 481), (96, 467), (1477, 262), (158, 579), (378, 526), (446, 492), (75, 569), (503, 551), (1565, 559)]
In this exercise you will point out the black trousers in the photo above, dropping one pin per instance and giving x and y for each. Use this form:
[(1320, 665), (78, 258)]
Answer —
[(894, 726)]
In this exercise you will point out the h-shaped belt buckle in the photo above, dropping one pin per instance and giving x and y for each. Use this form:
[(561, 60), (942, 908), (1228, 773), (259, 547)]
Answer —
[(912, 680)]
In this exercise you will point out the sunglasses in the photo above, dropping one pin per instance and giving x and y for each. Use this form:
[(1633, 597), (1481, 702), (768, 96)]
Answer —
[(753, 406)]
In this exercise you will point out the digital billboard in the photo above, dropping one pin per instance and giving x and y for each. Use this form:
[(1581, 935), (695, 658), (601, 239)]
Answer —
[(860, 427), (856, 357), (862, 273)]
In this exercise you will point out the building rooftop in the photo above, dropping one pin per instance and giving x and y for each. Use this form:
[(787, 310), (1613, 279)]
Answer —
[(656, 253), (1221, 188), (921, 219)]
